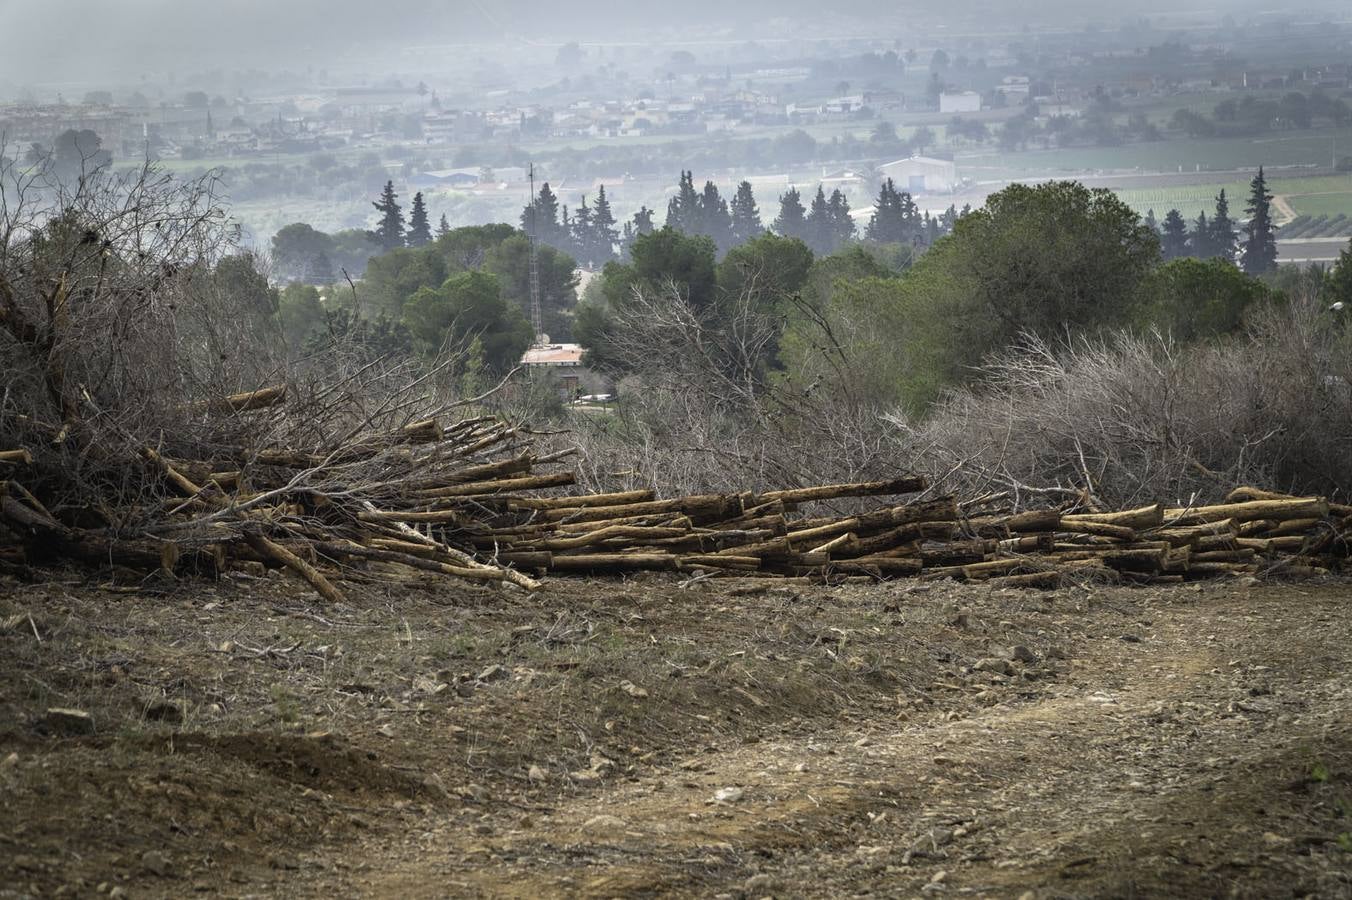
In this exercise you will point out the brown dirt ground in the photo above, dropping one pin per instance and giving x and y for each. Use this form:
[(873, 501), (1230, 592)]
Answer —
[(443, 740)]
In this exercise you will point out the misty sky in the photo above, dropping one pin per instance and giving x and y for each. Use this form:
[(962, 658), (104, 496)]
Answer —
[(56, 41)]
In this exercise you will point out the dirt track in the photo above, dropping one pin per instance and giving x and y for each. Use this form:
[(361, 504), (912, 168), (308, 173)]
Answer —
[(1189, 742)]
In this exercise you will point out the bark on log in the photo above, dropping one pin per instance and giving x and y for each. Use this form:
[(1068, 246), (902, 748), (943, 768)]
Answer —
[(976, 571), (285, 557), (906, 485), (708, 506), (1099, 529), (1297, 508), (334, 549), (705, 560), (1133, 560), (883, 565), (1293, 527), (614, 562), (584, 501), (1020, 523), (1051, 579), (247, 401), (1243, 554), (1246, 493), (524, 483), (639, 535), (1139, 519)]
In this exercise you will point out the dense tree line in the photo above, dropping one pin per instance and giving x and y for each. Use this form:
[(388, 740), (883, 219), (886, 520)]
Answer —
[(1053, 260), (1250, 115), (1219, 236), (826, 224), (909, 308)]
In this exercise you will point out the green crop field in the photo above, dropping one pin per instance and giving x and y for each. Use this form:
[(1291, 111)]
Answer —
[(1315, 147), (1187, 199), (1316, 196), (1323, 204)]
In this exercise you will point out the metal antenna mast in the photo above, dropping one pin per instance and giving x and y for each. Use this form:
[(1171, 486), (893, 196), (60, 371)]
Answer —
[(535, 315)]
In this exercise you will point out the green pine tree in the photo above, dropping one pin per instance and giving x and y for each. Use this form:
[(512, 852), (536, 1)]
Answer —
[(635, 228), (1224, 238), (792, 218), (746, 220), (604, 234), (419, 228), (683, 212), (583, 241), (1174, 235), (540, 219), (1260, 244), (896, 219), (715, 221), (821, 231), (389, 231), (1200, 245), (842, 223)]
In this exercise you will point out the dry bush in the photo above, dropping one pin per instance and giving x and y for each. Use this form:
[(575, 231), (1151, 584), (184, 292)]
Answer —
[(118, 333), (1138, 419), (1119, 421), (703, 411)]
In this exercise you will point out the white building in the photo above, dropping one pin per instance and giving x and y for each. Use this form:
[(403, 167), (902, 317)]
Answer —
[(921, 174), (964, 101)]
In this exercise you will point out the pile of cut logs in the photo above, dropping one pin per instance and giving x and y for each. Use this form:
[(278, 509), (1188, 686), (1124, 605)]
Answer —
[(761, 535), (472, 500)]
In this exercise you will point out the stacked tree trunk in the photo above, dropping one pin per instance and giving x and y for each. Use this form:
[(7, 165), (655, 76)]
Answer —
[(764, 535), (472, 500)]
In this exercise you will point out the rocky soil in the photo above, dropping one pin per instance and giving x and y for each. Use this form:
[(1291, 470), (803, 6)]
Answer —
[(653, 738)]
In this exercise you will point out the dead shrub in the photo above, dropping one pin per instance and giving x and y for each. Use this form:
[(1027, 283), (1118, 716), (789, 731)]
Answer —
[(1136, 419)]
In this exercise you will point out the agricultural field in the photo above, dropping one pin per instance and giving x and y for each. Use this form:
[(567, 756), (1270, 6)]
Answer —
[(1310, 149), (1330, 203), (1321, 195), (1307, 227)]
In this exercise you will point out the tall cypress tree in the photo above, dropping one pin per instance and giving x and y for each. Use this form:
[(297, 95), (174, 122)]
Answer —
[(820, 226), (639, 225), (1224, 239), (1174, 237), (604, 234), (419, 228), (583, 239), (1200, 243), (563, 237), (746, 220), (714, 219), (1150, 221), (792, 218), (443, 227), (643, 221), (1260, 244), (896, 219), (842, 223), (683, 212), (389, 231), (541, 218)]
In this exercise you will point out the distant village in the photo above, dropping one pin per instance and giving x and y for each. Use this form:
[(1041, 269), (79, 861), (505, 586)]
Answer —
[(389, 119)]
